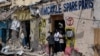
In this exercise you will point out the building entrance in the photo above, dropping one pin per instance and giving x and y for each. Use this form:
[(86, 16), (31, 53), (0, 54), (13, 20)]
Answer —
[(58, 23)]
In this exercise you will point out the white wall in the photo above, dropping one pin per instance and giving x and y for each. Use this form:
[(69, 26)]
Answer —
[(83, 30)]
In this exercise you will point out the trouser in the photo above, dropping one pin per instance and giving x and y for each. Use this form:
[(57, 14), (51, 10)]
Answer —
[(56, 46), (24, 41), (14, 38), (28, 41), (51, 49), (61, 47)]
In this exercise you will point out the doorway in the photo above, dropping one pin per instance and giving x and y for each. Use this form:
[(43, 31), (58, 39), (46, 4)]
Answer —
[(27, 27), (4, 31), (58, 23)]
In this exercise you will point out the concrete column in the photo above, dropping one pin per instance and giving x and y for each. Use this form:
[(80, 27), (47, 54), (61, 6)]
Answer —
[(34, 34)]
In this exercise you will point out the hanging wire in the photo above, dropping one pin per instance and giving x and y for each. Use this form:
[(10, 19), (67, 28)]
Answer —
[(79, 20)]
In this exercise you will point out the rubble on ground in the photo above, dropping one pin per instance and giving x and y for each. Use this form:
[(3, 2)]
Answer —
[(19, 50)]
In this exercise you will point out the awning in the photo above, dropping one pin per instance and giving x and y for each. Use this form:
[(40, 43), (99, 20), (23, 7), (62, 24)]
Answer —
[(23, 15)]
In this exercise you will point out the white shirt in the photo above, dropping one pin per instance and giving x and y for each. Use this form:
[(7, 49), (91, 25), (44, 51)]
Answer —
[(61, 40), (15, 24), (22, 35), (56, 36)]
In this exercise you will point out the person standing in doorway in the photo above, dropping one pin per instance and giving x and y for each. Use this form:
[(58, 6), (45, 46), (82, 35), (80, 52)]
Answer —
[(56, 39), (50, 40), (23, 39)]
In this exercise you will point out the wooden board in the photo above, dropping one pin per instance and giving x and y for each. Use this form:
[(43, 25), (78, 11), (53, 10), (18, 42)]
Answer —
[(96, 40)]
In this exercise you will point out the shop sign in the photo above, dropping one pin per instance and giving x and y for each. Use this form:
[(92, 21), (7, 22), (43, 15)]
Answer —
[(66, 7)]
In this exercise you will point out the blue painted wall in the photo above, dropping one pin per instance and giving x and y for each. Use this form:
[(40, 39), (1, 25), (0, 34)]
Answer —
[(3, 24), (3, 31)]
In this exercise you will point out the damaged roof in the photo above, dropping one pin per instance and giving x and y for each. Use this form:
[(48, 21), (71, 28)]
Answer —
[(6, 14), (5, 3)]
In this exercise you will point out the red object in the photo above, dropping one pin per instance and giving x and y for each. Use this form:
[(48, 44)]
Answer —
[(68, 50), (70, 21)]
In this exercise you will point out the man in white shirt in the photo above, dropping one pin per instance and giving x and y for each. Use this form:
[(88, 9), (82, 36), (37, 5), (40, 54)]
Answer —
[(56, 36), (56, 39), (15, 24), (15, 31)]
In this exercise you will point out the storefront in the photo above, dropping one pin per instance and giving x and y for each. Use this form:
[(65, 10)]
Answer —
[(24, 17), (74, 18)]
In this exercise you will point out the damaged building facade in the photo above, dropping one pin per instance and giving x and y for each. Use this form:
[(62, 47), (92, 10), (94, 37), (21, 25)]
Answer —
[(69, 16), (29, 23), (26, 22), (5, 20)]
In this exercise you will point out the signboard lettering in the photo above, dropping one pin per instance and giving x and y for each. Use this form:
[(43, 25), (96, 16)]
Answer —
[(69, 6)]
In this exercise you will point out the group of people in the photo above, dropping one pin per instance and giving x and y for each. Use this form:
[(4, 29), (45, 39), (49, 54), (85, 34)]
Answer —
[(56, 42)]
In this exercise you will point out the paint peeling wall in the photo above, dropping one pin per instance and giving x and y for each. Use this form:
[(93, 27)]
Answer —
[(34, 33)]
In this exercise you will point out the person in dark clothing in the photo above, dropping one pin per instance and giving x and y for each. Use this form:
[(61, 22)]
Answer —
[(50, 40), (61, 42)]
